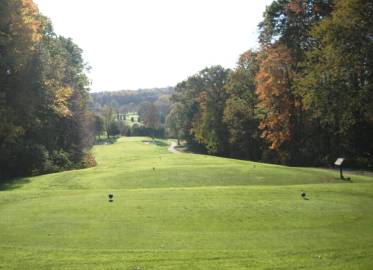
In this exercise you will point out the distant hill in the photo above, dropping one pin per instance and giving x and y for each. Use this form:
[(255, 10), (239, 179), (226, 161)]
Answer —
[(130, 100)]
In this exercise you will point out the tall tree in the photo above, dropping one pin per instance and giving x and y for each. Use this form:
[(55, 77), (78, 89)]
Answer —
[(108, 117), (289, 22), (337, 82), (203, 97), (152, 118), (285, 34), (174, 122), (44, 118), (99, 125), (276, 100), (240, 109)]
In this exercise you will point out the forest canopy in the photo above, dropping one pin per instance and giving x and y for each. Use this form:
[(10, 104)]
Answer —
[(44, 117), (305, 97)]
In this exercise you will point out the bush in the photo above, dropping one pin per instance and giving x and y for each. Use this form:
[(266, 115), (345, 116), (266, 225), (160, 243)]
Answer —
[(61, 159), (89, 161)]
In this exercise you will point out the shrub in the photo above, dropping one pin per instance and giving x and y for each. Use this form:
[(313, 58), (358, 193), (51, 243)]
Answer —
[(89, 160)]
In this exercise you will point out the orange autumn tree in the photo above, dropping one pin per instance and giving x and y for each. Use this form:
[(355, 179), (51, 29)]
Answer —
[(19, 32), (274, 90)]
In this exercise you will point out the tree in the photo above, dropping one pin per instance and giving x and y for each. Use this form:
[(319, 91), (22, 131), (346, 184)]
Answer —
[(203, 97), (240, 109), (152, 118), (108, 116), (45, 124), (336, 84), (174, 122), (99, 125), (114, 129), (274, 90), (287, 24), (19, 36), (210, 129)]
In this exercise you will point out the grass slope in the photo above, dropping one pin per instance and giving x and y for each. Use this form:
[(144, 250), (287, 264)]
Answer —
[(190, 212)]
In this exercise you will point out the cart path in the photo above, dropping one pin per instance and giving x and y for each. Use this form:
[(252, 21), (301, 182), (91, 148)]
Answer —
[(172, 148)]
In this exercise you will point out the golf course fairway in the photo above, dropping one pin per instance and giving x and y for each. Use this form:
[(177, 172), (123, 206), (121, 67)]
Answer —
[(185, 211)]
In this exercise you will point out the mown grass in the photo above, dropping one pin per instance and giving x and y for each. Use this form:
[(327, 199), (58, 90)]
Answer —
[(189, 212)]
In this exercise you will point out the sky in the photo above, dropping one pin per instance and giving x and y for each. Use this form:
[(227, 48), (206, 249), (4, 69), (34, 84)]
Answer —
[(132, 44)]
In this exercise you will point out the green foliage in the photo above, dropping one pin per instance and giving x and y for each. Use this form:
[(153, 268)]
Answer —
[(240, 109), (132, 100), (202, 98), (337, 81), (307, 91), (99, 125), (113, 129), (175, 121), (290, 21), (43, 95)]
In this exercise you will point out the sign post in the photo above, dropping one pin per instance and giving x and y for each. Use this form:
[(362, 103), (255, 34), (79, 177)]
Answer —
[(339, 162)]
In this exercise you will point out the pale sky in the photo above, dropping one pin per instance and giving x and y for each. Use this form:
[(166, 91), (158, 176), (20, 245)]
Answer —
[(133, 44)]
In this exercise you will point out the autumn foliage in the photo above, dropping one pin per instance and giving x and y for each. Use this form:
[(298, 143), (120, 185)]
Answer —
[(304, 98), (44, 117), (275, 98)]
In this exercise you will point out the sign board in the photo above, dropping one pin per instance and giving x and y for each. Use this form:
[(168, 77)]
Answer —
[(339, 161)]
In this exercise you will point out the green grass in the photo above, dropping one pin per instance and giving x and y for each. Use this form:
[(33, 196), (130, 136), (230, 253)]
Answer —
[(190, 212)]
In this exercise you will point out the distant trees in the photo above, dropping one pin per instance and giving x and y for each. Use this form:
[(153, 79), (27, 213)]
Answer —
[(108, 119), (131, 101), (174, 122), (152, 119), (305, 97), (109, 122), (113, 129), (99, 125), (45, 124)]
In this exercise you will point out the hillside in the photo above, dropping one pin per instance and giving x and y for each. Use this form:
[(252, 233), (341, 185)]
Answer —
[(189, 212), (129, 100)]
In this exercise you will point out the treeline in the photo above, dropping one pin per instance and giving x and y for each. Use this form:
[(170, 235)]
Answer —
[(304, 98), (45, 125), (151, 105), (149, 121), (130, 101)]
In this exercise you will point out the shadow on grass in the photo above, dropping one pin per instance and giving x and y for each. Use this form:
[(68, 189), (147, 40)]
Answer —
[(105, 141), (13, 183), (156, 142)]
